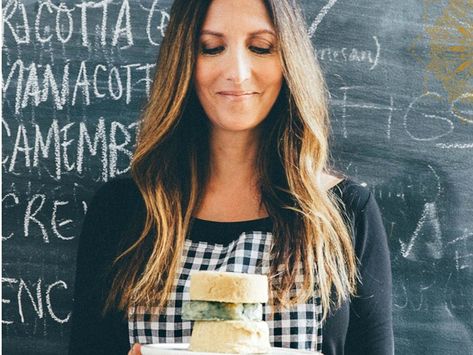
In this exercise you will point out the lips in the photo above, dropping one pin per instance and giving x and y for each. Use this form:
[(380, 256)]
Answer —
[(236, 93), (237, 96)]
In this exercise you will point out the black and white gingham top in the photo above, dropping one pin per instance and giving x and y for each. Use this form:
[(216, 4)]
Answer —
[(114, 220), (298, 327)]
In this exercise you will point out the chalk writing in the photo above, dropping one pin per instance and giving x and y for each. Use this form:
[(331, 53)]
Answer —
[(40, 214), (347, 104), (463, 255), (37, 296), (421, 120), (462, 107), (109, 141), (434, 246), (350, 55), (318, 19), (60, 23), (454, 145), (418, 105), (161, 27), (451, 28), (39, 88)]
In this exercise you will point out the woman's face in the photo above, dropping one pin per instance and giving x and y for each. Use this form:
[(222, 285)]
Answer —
[(238, 73)]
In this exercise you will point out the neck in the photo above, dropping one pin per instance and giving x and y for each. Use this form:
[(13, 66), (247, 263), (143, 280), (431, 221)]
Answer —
[(233, 157)]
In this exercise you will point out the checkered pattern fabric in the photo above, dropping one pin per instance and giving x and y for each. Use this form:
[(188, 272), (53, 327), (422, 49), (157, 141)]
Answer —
[(298, 327)]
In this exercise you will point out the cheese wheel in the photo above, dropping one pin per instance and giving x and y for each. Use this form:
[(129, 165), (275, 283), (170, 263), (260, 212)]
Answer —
[(236, 337), (209, 310), (229, 287)]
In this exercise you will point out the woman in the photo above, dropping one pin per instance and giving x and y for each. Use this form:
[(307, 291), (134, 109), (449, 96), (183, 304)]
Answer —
[(232, 158)]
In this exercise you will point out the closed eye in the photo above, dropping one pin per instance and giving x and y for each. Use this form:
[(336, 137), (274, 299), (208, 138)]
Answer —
[(260, 50), (216, 50), (212, 51)]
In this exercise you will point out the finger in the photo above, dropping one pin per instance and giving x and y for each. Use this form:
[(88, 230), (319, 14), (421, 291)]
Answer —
[(135, 350)]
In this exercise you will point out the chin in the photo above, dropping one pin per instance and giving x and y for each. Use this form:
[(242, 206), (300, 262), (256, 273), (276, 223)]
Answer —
[(236, 126)]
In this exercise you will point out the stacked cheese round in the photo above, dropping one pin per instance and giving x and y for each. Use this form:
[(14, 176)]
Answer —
[(227, 311)]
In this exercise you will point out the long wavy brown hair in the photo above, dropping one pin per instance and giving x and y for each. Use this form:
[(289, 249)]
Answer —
[(171, 168)]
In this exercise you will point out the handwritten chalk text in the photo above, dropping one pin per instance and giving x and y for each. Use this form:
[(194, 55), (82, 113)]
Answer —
[(37, 295), (70, 146), (75, 85), (61, 24)]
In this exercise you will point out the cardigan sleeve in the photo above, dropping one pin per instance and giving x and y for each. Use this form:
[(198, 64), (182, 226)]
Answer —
[(363, 324), (370, 319), (91, 332)]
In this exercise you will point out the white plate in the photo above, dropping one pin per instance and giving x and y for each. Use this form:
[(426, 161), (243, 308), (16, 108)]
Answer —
[(174, 349)]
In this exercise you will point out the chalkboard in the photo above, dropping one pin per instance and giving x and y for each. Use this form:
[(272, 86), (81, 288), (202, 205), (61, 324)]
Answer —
[(76, 75)]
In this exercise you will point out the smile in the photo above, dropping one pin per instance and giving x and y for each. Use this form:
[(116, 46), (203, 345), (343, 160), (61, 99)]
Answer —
[(237, 96)]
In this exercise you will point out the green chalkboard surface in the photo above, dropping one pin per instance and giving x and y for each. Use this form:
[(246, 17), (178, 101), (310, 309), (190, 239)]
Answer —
[(400, 73)]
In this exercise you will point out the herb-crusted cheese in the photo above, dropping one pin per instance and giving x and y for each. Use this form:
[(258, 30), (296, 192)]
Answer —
[(204, 310)]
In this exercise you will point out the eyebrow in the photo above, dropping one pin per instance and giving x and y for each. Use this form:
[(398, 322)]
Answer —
[(252, 34)]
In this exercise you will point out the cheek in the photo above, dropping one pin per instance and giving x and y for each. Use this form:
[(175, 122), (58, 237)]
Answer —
[(271, 75), (273, 83), (201, 78)]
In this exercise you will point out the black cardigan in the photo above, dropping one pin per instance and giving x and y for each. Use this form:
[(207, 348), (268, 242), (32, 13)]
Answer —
[(115, 217)]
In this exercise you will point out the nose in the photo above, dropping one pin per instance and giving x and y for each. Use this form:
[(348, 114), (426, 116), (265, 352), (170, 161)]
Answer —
[(239, 66)]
